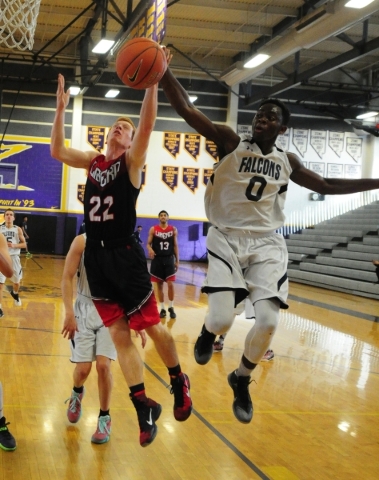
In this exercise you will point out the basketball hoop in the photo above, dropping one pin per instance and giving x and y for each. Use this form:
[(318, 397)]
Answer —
[(18, 21)]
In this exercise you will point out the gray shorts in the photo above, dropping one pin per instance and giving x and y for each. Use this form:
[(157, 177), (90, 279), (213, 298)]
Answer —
[(93, 337), (254, 267), (17, 270)]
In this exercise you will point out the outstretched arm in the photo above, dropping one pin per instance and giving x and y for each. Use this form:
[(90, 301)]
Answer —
[(58, 149), (327, 186), (222, 135), (138, 150), (70, 268)]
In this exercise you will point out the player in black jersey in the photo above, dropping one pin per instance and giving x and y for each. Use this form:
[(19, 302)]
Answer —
[(115, 262)]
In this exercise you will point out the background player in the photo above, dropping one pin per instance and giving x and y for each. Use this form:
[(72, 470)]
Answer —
[(162, 246), (89, 341), (15, 240)]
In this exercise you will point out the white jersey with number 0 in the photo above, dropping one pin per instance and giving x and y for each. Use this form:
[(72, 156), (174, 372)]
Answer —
[(247, 191)]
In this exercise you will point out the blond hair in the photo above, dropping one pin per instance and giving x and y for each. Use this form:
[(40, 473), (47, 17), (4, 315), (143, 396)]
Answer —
[(127, 120)]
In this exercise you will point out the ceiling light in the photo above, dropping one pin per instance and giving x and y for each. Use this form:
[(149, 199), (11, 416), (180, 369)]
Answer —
[(366, 115), (192, 98), (103, 46), (75, 90), (256, 60), (112, 93), (358, 3)]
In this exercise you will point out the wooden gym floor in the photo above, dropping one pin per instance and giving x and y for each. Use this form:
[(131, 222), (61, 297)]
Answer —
[(316, 403)]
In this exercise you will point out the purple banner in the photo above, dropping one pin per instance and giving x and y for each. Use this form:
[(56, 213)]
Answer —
[(29, 177), (170, 176), (191, 178), (211, 148), (171, 142), (192, 144), (153, 23), (96, 137), (207, 173)]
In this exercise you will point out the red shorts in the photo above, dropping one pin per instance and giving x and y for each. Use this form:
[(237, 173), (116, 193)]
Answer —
[(146, 316)]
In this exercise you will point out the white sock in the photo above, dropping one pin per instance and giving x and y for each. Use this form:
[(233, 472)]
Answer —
[(171, 304), (162, 305)]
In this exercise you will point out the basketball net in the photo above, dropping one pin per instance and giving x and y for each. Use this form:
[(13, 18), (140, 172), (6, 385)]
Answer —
[(18, 21)]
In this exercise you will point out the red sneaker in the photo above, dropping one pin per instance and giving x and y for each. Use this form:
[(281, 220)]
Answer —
[(180, 387), (148, 413)]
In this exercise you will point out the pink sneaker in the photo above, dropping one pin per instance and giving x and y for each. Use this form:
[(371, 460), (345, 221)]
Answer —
[(269, 355), (74, 410), (103, 430)]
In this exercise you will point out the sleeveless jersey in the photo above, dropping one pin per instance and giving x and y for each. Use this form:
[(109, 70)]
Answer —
[(163, 241), (11, 235), (247, 190), (82, 286), (109, 200)]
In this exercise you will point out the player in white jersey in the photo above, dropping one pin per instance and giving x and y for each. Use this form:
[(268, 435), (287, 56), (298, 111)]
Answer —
[(7, 440), (89, 340), (15, 240), (244, 201)]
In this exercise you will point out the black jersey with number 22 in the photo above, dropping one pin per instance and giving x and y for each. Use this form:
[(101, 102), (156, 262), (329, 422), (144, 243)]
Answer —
[(109, 200)]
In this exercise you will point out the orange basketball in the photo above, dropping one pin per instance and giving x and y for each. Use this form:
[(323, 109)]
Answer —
[(140, 63)]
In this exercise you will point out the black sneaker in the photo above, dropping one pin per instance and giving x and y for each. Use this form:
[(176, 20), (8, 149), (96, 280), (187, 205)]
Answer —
[(148, 413), (1, 313), (16, 298), (180, 387), (242, 404), (172, 313), (162, 313), (7, 440), (204, 346)]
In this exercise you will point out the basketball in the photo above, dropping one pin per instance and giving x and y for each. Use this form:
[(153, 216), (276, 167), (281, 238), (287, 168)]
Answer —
[(141, 63)]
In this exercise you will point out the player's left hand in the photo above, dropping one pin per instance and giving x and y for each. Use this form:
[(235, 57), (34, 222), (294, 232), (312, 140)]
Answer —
[(142, 334)]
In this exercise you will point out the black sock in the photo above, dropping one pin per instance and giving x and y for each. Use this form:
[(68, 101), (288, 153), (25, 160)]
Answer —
[(103, 413), (249, 365), (78, 389), (174, 371), (137, 389)]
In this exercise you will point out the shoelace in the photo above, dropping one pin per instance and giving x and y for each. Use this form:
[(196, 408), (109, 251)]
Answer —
[(177, 389), (103, 424), (74, 399), (4, 430)]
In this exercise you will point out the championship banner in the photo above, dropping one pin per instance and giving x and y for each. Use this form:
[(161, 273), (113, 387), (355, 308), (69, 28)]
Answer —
[(191, 178), (283, 141), (153, 24), (352, 171), (143, 176), (334, 170), (354, 148), (171, 143), (300, 140), (80, 192), (336, 141), (170, 176), (211, 148), (318, 141), (96, 137), (192, 144), (207, 173), (317, 167), (29, 177)]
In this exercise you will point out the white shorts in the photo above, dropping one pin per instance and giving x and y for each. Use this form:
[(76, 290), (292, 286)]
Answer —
[(253, 267), (17, 270), (93, 337)]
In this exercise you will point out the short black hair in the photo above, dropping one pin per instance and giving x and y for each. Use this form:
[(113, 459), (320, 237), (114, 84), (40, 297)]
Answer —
[(286, 114), (139, 226), (163, 211)]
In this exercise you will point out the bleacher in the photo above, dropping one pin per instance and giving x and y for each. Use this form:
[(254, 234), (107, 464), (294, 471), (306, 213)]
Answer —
[(337, 254)]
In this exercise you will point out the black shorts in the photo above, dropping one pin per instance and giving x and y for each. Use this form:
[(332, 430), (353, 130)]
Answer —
[(163, 269), (119, 274)]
